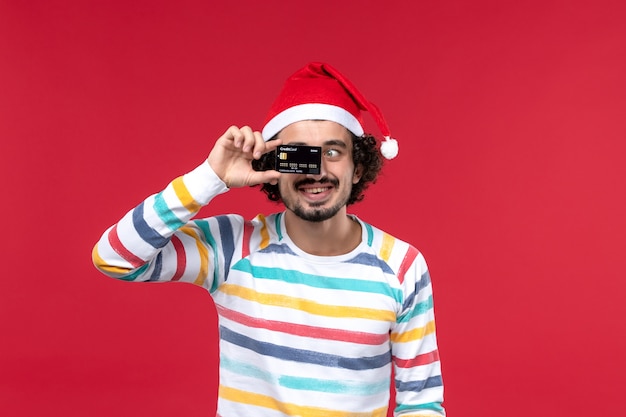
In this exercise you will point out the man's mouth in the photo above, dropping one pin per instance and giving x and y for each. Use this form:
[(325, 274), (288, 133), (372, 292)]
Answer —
[(315, 190)]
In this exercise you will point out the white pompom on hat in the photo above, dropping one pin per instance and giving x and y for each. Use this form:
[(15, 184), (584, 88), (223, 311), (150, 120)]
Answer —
[(320, 92)]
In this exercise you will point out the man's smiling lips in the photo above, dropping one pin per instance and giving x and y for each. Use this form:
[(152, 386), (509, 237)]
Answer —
[(315, 190), (315, 193)]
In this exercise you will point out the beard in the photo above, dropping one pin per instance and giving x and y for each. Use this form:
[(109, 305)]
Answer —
[(316, 212)]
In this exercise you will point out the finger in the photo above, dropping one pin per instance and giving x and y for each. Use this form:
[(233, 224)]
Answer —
[(272, 144), (265, 147), (259, 145), (262, 177), (235, 135), (248, 142)]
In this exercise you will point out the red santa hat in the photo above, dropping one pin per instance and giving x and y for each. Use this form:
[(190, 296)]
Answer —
[(320, 92)]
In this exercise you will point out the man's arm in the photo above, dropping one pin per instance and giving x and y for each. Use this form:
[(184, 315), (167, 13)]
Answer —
[(417, 368), (155, 240)]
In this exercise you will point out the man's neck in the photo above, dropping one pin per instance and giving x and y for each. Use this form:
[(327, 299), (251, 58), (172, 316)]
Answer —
[(335, 236)]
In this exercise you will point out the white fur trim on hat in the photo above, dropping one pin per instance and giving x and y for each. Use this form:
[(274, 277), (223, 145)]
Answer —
[(311, 111)]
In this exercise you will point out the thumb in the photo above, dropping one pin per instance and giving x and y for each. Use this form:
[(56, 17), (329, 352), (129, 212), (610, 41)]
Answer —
[(262, 177)]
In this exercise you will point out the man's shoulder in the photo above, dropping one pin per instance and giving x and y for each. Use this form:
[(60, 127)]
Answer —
[(236, 224), (397, 253), (259, 219), (377, 237)]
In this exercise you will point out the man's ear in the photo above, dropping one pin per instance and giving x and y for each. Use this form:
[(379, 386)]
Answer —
[(358, 173)]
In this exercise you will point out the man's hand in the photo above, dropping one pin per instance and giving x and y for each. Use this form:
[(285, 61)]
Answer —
[(232, 155)]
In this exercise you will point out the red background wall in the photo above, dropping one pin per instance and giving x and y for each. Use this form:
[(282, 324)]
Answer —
[(510, 180)]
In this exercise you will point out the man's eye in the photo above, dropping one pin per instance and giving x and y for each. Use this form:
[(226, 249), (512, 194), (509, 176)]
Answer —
[(331, 153)]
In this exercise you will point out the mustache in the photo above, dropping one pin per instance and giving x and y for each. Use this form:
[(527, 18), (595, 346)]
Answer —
[(322, 181)]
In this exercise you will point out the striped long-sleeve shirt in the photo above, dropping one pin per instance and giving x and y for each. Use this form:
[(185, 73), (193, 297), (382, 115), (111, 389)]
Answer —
[(300, 335)]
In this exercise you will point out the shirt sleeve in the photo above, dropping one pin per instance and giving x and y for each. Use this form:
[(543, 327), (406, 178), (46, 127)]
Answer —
[(157, 241), (417, 368)]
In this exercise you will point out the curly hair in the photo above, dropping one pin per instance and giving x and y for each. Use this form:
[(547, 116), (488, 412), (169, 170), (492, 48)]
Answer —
[(365, 153)]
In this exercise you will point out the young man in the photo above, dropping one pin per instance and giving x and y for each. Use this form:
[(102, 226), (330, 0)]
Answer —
[(316, 307)]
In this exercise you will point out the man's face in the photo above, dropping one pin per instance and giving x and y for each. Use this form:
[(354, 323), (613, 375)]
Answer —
[(319, 197)]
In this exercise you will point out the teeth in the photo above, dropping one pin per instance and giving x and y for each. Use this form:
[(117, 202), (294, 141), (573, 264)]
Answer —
[(316, 190)]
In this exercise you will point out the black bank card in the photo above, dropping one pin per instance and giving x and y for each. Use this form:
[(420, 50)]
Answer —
[(298, 159)]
